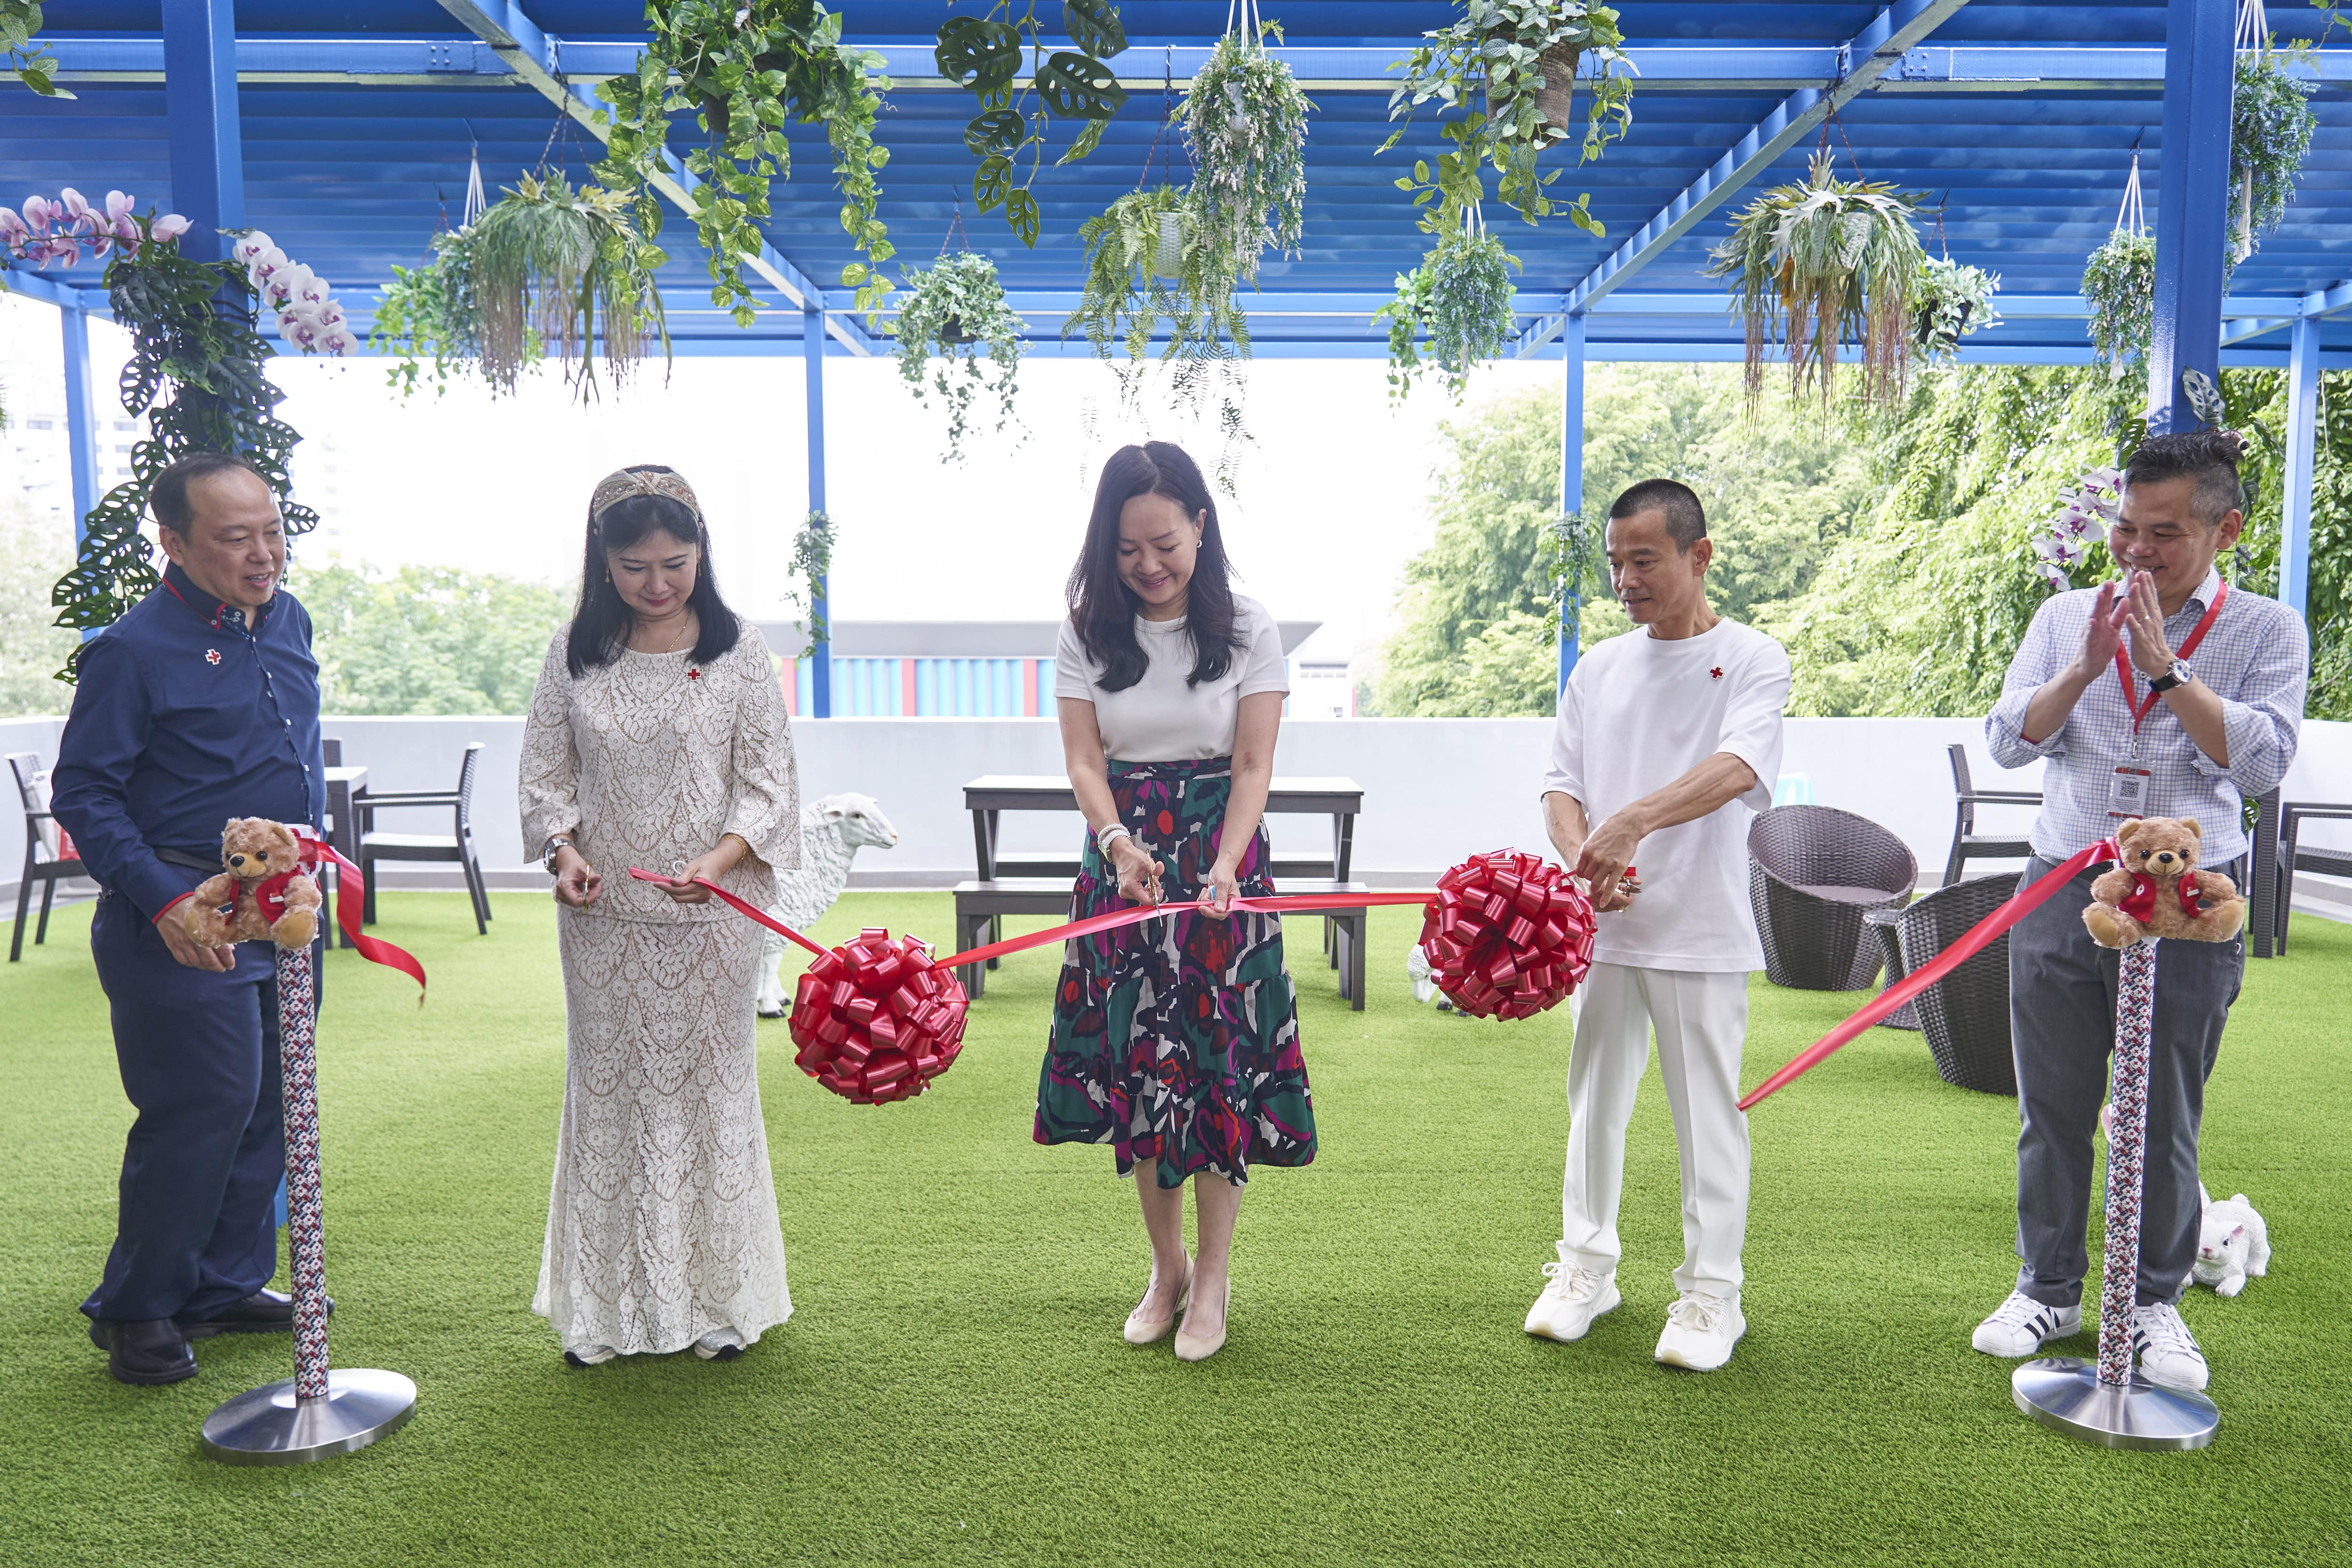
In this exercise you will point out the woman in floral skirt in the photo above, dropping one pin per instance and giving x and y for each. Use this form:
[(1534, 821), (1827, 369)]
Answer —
[(1174, 1041)]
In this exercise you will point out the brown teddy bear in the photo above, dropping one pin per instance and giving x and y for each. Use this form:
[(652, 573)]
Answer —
[(2155, 889), (263, 896)]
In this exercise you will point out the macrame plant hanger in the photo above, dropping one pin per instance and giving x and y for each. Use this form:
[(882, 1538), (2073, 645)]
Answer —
[(953, 331), (2131, 217), (2254, 38), (476, 202)]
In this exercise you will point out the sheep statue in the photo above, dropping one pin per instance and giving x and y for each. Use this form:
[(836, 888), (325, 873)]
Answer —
[(833, 830)]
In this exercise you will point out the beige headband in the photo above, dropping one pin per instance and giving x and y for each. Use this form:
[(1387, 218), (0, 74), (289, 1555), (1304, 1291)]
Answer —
[(626, 482)]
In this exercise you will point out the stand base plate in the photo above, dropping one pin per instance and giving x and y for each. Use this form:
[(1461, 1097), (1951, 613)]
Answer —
[(267, 1425), (2065, 1392)]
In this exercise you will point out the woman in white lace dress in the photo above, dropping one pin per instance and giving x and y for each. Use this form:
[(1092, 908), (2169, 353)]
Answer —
[(657, 739)]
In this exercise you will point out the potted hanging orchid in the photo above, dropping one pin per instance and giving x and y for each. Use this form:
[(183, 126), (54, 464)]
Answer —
[(1824, 263), (308, 317), (61, 230), (950, 308), (1454, 312)]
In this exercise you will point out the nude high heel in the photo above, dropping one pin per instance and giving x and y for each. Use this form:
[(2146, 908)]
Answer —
[(1144, 1330), (1201, 1347)]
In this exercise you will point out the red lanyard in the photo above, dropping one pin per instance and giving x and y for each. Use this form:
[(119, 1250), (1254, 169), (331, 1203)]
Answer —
[(2139, 710)]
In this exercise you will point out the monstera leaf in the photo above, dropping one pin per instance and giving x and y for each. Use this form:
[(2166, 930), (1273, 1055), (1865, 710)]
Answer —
[(1076, 87), (1094, 26), (981, 55), (997, 131)]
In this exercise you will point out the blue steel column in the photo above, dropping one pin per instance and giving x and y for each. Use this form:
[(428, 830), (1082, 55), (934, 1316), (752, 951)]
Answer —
[(813, 358), (2302, 443), (1571, 473), (81, 418), (2192, 205), (201, 123)]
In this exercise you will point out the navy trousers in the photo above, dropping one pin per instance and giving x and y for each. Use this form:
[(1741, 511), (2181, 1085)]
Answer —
[(195, 1230)]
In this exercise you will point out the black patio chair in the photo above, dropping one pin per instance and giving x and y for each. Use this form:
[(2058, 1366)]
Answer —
[(44, 860), (1965, 1015), (457, 847), (2293, 855), (1967, 844), (1812, 872)]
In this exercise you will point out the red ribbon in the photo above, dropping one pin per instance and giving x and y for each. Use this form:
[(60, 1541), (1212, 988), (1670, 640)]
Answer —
[(1978, 938), (878, 1019), (1508, 935), (351, 893), (2140, 902)]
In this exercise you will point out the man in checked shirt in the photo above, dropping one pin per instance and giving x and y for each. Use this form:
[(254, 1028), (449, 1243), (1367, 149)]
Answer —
[(2215, 677)]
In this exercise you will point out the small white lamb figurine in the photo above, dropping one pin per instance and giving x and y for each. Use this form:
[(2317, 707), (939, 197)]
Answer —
[(833, 830), (2232, 1246), (1417, 970)]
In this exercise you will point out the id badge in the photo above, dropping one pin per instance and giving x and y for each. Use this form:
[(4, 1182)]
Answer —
[(2127, 792)]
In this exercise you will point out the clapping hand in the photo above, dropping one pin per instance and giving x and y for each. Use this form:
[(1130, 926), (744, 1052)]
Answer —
[(2109, 615), (2142, 614)]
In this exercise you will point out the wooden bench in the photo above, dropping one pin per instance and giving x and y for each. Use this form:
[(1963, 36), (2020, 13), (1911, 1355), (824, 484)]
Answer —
[(981, 909)]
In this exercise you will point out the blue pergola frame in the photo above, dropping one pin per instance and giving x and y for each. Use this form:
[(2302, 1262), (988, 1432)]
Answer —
[(2018, 113)]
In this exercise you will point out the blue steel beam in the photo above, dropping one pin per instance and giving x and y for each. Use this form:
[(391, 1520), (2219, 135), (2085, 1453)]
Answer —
[(1865, 59), (81, 418), (201, 123), (2302, 441), (2192, 205), (53, 290), (820, 591), (1571, 482), (538, 58)]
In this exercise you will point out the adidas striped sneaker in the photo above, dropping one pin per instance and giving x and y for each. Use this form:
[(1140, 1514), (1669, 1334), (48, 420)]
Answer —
[(2021, 1325)]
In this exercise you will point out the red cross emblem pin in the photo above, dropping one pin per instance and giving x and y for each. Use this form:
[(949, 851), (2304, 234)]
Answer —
[(1715, 674), (211, 655), (694, 675)]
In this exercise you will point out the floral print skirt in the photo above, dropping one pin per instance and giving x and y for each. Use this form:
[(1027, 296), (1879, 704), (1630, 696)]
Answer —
[(1176, 1040)]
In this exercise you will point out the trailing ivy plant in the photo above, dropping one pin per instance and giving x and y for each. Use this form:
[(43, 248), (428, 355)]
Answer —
[(2271, 126), (983, 55), (1245, 129), (20, 20), (812, 564), (1822, 263), (2119, 287), (431, 312), (1950, 302), (1460, 299), (555, 265), (747, 68), (1510, 68), (197, 371), (952, 310)]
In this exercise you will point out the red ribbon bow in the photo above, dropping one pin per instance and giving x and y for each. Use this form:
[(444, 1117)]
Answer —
[(1508, 935), (351, 893)]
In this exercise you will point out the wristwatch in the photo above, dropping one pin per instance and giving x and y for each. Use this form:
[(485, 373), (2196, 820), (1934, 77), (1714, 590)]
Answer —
[(2179, 675), (548, 859)]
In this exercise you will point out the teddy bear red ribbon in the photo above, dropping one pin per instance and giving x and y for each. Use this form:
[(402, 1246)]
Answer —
[(2140, 902), (351, 891)]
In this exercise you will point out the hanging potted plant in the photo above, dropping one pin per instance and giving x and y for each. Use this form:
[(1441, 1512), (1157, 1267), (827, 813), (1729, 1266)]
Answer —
[(1948, 302), (560, 266), (2271, 126), (1460, 301), (2119, 286), (1510, 68), (1245, 128), (956, 303), (1820, 264)]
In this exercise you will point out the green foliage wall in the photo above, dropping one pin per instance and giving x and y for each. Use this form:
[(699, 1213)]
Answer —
[(425, 640), (35, 550)]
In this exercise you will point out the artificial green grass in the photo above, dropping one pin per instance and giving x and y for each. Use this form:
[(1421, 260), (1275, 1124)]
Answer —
[(953, 1387)]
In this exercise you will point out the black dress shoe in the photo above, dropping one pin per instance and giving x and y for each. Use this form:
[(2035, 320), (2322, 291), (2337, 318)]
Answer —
[(146, 1352), (263, 1312)]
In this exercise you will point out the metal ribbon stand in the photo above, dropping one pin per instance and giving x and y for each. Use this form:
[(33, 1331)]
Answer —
[(317, 1413), (2106, 1403)]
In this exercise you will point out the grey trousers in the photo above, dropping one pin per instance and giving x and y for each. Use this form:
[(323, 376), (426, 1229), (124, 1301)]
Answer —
[(2062, 1017)]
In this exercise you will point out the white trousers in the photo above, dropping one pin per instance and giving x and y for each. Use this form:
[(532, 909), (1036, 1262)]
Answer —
[(1701, 1022)]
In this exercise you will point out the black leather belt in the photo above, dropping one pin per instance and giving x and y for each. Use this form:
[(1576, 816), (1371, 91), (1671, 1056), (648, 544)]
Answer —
[(207, 864)]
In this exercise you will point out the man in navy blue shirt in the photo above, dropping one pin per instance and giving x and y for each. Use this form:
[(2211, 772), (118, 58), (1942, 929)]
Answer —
[(200, 704)]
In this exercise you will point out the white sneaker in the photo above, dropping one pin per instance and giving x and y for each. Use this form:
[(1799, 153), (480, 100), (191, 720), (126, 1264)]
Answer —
[(2168, 1351), (1700, 1332), (720, 1344), (1572, 1297), (2021, 1325)]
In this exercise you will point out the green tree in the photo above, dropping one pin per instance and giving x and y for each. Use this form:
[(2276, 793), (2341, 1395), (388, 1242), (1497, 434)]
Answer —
[(1783, 485), (34, 553), (425, 640)]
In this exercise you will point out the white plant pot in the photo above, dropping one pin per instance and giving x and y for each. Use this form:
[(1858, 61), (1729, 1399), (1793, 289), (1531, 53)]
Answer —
[(1168, 261)]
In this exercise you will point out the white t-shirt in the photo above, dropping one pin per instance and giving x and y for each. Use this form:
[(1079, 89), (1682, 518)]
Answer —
[(1159, 719), (1639, 712)]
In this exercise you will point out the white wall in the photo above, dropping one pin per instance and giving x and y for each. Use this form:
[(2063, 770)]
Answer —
[(1434, 789)]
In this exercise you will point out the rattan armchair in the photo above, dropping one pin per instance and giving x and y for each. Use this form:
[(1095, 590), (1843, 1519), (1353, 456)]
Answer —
[(1812, 871), (1965, 1015)]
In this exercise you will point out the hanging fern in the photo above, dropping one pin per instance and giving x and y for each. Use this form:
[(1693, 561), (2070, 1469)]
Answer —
[(560, 265), (194, 342), (951, 310), (1245, 129), (1822, 263), (1459, 299), (2119, 286), (2271, 126)]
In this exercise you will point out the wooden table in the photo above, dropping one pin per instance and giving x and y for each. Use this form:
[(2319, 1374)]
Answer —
[(1040, 884), (344, 785)]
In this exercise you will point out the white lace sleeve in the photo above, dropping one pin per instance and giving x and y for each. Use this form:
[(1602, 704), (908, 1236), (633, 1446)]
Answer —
[(764, 805), (548, 786)]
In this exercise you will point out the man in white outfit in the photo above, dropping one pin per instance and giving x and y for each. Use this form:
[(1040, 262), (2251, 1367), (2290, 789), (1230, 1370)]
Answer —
[(1668, 743)]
